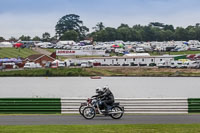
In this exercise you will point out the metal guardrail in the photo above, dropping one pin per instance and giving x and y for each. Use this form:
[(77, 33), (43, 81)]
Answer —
[(30, 105), (194, 105), (71, 105), (135, 105)]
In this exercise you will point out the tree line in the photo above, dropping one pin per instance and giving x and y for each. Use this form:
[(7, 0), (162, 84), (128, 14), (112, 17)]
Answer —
[(70, 27)]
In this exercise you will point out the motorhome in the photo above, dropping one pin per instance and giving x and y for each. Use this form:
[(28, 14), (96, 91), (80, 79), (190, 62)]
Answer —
[(57, 63), (139, 50), (191, 64), (176, 64), (30, 65), (164, 64), (87, 63)]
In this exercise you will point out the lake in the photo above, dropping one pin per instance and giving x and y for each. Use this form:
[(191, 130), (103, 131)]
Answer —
[(122, 87)]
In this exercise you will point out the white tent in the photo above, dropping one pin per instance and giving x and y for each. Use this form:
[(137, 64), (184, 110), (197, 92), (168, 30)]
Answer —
[(137, 54), (6, 44)]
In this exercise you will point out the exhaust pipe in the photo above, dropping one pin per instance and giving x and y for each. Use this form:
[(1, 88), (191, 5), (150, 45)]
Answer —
[(119, 112)]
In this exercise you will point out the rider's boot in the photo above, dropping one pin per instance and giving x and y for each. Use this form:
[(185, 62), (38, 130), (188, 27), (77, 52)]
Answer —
[(106, 111)]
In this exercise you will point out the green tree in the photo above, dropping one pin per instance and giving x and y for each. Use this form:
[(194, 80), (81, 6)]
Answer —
[(82, 33), (1, 39), (71, 22), (181, 34), (99, 26), (25, 38), (124, 33), (156, 24), (123, 26), (12, 39), (70, 35), (169, 27), (46, 37), (191, 32), (36, 38)]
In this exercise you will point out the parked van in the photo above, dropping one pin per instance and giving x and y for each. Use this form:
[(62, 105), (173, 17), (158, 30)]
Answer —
[(86, 64), (30, 65), (163, 64)]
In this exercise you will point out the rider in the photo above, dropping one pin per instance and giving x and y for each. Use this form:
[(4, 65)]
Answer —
[(107, 98), (99, 92)]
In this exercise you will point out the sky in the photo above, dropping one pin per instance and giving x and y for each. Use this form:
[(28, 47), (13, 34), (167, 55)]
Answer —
[(34, 17)]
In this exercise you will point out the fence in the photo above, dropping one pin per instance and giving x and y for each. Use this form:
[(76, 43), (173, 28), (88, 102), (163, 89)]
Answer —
[(135, 105), (30, 105), (71, 105), (194, 105)]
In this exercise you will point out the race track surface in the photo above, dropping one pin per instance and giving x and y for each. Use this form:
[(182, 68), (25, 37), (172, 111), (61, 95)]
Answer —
[(79, 120)]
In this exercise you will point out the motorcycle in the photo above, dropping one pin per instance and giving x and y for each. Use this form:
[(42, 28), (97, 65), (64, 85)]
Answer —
[(94, 106)]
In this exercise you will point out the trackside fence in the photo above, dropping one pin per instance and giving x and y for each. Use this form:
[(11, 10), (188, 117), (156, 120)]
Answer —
[(71, 105), (194, 105), (135, 105), (30, 105)]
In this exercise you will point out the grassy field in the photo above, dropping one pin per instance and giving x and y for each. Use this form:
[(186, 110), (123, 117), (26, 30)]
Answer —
[(106, 71), (13, 52), (148, 128)]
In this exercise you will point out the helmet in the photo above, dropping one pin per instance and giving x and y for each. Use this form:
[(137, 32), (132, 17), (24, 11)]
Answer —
[(105, 88), (98, 90)]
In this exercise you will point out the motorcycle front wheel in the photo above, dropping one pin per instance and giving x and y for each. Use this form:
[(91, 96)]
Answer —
[(89, 113)]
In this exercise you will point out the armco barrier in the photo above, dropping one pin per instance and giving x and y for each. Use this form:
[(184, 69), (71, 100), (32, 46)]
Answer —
[(135, 105), (194, 105), (30, 105), (71, 105)]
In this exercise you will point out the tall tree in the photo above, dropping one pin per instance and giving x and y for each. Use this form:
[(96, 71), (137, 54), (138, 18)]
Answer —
[(99, 26), (46, 37), (70, 35), (71, 22)]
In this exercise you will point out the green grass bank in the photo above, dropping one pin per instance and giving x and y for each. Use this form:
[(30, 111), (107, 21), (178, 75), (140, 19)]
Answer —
[(140, 128)]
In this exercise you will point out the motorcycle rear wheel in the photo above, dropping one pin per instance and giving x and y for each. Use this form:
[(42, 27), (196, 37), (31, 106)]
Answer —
[(81, 108), (117, 115)]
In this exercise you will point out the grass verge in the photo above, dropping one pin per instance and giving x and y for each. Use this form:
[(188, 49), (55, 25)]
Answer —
[(140, 128), (104, 71)]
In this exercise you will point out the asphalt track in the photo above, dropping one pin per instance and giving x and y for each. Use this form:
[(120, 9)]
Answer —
[(79, 120)]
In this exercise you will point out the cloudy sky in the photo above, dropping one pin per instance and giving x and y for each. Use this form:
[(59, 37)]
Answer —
[(34, 17)]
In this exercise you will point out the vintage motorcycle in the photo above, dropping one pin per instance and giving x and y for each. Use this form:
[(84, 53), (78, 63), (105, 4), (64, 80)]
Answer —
[(94, 106)]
